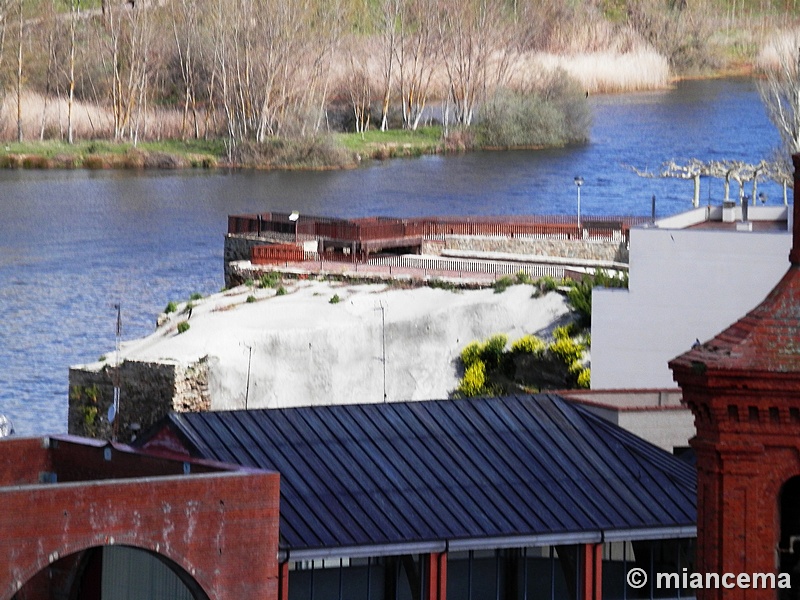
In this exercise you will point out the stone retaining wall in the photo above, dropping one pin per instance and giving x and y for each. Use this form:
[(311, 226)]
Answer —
[(616, 251), (148, 391)]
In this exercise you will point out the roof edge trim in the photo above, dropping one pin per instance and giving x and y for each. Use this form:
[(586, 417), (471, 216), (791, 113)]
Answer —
[(493, 543)]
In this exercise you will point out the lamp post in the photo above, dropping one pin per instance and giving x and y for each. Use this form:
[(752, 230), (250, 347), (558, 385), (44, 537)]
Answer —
[(578, 184), (294, 217)]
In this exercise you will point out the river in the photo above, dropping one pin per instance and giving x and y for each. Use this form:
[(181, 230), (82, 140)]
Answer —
[(74, 243)]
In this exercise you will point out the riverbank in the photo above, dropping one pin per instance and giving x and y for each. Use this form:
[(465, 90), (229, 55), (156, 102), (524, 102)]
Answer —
[(331, 151)]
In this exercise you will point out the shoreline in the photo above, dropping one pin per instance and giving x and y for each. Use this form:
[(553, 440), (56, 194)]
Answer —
[(209, 154)]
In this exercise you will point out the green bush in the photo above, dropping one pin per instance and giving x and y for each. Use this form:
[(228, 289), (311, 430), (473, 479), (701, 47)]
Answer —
[(528, 344), (196, 296), (585, 378), (567, 350), (474, 381), (441, 285), (171, 307), (502, 284), (493, 349), (334, 299), (269, 280), (250, 299), (183, 326), (580, 295), (523, 278), (556, 114), (471, 353), (281, 291)]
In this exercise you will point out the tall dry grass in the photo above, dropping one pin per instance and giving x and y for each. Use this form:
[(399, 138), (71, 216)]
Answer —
[(46, 118), (775, 50), (605, 72)]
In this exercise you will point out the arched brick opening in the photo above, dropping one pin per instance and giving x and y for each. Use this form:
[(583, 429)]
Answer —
[(789, 532), (82, 575)]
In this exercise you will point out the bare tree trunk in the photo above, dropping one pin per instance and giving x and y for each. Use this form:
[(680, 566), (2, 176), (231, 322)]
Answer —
[(391, 12), (73, 5), (19, 72)]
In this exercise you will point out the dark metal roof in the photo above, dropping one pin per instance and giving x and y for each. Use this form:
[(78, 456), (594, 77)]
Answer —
[(451, 471)]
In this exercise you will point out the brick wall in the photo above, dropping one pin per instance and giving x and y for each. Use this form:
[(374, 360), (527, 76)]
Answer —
[(219, 528)]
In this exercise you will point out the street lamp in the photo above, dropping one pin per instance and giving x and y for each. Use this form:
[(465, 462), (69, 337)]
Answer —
[(294, 218), (579, 183)]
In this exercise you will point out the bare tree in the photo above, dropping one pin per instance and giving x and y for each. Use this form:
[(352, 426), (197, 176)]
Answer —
[(185, 31), (417, 52), (73, 10), (390, 17), (20, 39), (780, 93), (471, 33)]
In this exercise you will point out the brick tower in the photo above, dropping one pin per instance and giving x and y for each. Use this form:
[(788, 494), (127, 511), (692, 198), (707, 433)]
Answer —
[(743, 387)]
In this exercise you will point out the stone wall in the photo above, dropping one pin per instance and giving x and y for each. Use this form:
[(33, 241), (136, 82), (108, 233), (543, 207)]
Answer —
[(237, 247), (616, 250), (148, 391)]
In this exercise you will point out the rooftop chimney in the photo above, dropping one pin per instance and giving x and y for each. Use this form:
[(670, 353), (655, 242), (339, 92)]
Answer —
[(794, 254)]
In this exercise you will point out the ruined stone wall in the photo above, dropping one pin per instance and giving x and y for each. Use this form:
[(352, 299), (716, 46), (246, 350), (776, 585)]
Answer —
[(616, 250), (148, 391)]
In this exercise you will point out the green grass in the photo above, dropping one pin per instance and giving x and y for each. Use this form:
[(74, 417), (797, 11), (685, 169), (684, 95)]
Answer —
[(395, 142), (102, 154)]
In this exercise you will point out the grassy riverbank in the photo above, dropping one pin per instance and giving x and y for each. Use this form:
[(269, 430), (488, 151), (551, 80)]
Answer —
[(342, 150)]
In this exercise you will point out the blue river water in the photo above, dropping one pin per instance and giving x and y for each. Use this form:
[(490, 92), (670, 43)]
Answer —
[(74, 243)]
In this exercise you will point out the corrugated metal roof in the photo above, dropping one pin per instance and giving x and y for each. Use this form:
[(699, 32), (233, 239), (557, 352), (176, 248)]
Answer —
[(450, 471)]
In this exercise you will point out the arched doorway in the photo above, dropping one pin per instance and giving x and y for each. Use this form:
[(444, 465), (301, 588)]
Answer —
[(789, 542), (113, 573)]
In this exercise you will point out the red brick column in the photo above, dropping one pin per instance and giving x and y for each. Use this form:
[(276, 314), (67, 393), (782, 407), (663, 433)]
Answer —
[(436, 583), (591, 565)]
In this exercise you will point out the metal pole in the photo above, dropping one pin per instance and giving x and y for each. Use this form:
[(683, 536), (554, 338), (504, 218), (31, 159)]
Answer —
[(579, 183), (117, 373), (383, 348), (247, 389)]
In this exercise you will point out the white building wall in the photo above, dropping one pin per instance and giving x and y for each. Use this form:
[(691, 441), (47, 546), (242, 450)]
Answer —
[(685, 284)]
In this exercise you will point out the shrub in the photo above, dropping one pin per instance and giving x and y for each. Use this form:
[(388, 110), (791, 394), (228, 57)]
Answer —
[(196, 296), (471, 353), (269, 280), (567, 350), (555, 115), (493, 349), (188, 308), (250, 299), (474, 381), (334, 299), (248, 282), (585, 378), (523, 278), (171, 307), (528, 344), (183, 326), (502, 284), (280, 291), (580, 295), (441, 285)]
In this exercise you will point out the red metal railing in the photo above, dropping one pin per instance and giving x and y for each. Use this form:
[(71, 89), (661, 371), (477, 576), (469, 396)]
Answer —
[(385, 228), (276, 253)]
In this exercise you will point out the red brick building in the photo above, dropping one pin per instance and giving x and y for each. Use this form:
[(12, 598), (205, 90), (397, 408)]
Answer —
[(743, 387), (64, 500)]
